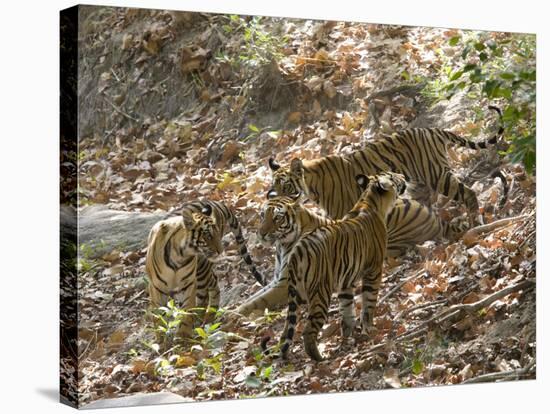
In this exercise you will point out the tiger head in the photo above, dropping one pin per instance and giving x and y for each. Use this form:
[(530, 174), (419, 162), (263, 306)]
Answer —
[(379, 191), (202, 233), (287, 181), (278, 219)]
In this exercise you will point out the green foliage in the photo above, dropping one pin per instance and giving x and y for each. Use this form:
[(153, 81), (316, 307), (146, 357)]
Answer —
[(85, 263), (167, 322), (259, 46), (255, 132), (502, 69)]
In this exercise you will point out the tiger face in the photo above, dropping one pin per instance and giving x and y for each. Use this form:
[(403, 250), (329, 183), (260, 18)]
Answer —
[(203, 237), (382, 189), (278, 222), (288, 182)]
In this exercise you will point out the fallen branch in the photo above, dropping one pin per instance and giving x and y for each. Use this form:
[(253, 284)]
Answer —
[(120, 111), (483, 303), (426, 305), (486, 228), (403, 89), (506, 375), (447, 314), (469, 308), (400, 284)]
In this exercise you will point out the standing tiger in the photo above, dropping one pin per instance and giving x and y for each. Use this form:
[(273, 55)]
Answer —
[(420, 154), (284, 220), (335, 257), (179, 250)]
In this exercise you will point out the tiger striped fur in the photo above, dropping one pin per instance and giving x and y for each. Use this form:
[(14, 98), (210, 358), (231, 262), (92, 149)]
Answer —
[(178, 256), (419, 154), (284, 220), (336, 257)]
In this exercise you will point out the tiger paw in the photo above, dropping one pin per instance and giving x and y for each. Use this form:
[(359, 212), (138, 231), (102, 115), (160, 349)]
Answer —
[(347, 328), (367, 330)]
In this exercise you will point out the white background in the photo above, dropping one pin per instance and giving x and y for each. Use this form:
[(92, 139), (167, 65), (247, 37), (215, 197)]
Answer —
[(29, 73)]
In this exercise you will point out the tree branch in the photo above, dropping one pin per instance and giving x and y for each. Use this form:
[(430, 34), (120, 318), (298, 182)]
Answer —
[(506, 375)]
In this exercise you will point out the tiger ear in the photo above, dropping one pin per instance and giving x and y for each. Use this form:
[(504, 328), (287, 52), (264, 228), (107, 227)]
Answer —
[(274, 165), (401, 183), (207, 210), (363, 181), (296, 166), (271, 194)]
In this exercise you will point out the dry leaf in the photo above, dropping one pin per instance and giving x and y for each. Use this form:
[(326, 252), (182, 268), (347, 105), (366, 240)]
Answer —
[(294, 117), (185, 361)]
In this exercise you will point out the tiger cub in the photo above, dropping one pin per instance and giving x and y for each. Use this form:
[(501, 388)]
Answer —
[(335, 257), (420, 154), (179, 253), (284, 220)]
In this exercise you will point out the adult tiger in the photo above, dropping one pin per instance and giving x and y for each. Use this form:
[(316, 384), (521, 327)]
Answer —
[(179, 250), (284, 220), (419, 154), (336, 257)]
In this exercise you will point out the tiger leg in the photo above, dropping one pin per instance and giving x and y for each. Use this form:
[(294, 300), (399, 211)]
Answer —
[(204, 275), (187, 300), (208, 290), (370, 288), (345, 298), (318, 315), (214, 293), (268, 297), (157, 298), (452, 187)]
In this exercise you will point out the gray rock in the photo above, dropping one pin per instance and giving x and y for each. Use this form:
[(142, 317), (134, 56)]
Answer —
[(232, 296), (67, 221), (138, 399), (104, 229), (444, 114)]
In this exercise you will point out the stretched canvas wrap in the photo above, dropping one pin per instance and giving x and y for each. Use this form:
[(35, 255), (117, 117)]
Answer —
[(267, 206)]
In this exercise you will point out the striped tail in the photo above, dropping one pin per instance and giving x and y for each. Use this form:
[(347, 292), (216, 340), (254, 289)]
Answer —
[(463, 142), (243, 250), (291, 319), (504, 197)]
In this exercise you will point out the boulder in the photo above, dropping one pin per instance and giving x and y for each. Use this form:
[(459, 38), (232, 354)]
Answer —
[(137, 399), (105, 230)]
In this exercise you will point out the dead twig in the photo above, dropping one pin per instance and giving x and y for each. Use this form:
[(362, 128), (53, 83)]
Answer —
[(506, 375), (414, 308), (447, 314), (120, 111), (468, 308), (400, 284)]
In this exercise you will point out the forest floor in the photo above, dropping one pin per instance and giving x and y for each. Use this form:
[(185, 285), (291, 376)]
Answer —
[(449, 313)]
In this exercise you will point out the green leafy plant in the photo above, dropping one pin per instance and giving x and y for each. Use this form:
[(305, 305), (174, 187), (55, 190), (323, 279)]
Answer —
[(167, 322), (86, 251), (500, 68), (259, 46)]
